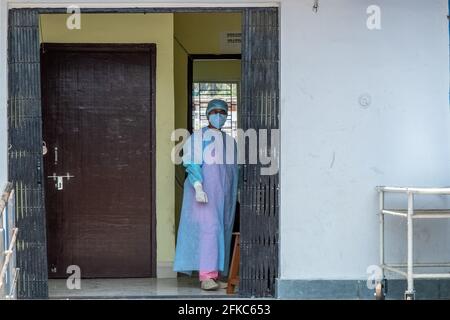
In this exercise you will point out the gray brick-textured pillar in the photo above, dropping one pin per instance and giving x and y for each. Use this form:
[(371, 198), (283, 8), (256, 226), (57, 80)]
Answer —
[(259, 193), (25, 150)]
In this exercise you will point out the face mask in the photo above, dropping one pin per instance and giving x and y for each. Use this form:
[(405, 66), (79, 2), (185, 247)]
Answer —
[(217, 120)]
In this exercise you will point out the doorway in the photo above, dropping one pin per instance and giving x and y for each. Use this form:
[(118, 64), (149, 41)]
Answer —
[(98, 133), (259, 109), (213, 77)]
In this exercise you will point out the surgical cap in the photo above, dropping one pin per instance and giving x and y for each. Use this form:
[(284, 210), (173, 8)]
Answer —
[(216, 104)]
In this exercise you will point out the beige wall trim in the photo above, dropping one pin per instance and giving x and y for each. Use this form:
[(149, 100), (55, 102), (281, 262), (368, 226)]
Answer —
[(164, 269)]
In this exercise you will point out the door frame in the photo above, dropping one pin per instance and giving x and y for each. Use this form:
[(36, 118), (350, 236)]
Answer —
[(190, 75), (254, 285), (149, 48)]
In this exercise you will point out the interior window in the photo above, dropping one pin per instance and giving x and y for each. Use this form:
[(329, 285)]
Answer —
[(203, 92)]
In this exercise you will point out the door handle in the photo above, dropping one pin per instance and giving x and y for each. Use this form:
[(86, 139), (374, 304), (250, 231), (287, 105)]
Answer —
[(59, 180)]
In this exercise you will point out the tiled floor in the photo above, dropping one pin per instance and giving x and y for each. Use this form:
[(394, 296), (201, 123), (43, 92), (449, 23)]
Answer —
[(143, 288)]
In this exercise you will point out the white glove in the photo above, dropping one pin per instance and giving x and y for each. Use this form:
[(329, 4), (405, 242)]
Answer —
[(200, 195)]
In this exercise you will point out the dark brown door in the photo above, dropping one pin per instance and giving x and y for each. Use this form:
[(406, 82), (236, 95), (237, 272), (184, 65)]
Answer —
[(98, 104)]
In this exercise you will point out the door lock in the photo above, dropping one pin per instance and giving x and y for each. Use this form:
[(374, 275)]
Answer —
[(59, 180)]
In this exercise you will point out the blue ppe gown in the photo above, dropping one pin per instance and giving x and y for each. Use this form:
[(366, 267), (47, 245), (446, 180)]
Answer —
[(205, 229)]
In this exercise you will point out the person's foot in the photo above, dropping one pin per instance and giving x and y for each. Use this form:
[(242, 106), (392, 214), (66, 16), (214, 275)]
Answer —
[(209, 285), (222, 284)]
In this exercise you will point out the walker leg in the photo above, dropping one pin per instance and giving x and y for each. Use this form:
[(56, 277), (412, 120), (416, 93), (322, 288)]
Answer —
[(380, 288), (410, 293), (381, 235)]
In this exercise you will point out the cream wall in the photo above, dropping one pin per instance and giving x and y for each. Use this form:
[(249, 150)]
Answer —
[(201, 32), (181, 99), (217, 70), (138, 28)]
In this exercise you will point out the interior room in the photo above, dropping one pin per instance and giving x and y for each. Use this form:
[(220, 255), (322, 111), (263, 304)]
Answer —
[(197, 58)]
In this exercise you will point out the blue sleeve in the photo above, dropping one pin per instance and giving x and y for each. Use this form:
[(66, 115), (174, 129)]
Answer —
[(194, 172), (193, 166)]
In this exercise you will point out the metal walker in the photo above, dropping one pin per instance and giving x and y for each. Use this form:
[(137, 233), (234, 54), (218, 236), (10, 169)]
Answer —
[(410, 214)]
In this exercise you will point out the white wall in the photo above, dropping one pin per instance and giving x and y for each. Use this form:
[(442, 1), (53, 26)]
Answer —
[(334, 152)]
